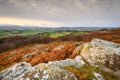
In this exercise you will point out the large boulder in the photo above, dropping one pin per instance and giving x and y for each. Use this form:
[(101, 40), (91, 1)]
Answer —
[(15, 71), (42, 71), (47, 72), (101, 52)]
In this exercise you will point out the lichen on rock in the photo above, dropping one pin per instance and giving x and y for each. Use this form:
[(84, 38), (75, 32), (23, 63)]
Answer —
[(15, 71), (77, 62), (47, 72), (101, 52)]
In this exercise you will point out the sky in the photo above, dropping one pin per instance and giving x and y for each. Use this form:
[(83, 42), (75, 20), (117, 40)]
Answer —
[(60, 13)]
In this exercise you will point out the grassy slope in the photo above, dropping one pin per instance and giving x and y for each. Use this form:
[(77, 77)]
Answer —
[(77, 33), (30, 32), (4, 33), (86, 72)]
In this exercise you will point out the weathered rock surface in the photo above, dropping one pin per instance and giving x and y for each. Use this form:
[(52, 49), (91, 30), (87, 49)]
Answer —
[(100, 52), (77, 62), (48, 72), (15, 71), (42, 71)]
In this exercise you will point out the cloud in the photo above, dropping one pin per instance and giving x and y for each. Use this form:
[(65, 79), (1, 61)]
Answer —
[(68, 12)]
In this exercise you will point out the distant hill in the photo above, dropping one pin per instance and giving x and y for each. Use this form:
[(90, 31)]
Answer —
[(17, 27)]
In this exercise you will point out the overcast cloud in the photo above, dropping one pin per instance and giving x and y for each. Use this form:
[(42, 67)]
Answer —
[(64, 12)]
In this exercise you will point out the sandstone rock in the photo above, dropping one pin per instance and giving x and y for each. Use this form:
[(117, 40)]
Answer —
[(15, 71), (77, 62)]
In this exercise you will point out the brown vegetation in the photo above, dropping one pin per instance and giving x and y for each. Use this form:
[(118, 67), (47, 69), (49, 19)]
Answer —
[(11, 57), (52, 54), (13, 42), (110, 35)]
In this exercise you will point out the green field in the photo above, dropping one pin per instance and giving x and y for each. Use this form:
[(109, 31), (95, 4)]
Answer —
[(7, 33), (58, 34), (30, 32), (53, 34)]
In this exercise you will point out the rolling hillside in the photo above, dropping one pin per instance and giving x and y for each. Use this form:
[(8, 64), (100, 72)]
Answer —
[(47, 49)]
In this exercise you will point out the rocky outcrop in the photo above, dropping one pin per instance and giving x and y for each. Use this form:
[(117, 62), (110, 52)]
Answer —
[(101, 52), (42, 71), (48, 72)]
